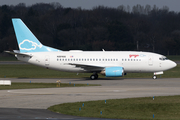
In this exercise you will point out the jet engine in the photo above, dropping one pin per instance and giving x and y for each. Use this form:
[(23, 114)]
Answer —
[(113, 72)]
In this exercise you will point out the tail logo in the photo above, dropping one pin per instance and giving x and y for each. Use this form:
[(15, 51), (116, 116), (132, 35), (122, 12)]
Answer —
[(29, 45)]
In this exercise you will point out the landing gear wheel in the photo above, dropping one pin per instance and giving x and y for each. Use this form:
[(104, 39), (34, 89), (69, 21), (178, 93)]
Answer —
[(92, 77), (154, 77)]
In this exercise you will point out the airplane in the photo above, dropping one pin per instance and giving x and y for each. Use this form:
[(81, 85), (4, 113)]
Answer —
[(108, 63)]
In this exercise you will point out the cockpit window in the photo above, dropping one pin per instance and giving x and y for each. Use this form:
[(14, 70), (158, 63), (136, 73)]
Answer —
[(163, 58)]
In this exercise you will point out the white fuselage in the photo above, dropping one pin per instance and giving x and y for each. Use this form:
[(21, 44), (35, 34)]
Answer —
[(130, 61)]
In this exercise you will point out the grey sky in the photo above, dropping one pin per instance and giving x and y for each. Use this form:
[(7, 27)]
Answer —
[(88, 4)]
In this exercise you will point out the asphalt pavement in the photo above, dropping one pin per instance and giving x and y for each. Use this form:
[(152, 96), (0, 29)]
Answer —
[(32, 103)]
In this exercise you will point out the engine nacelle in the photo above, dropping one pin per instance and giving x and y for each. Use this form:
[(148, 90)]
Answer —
[(113, 72)]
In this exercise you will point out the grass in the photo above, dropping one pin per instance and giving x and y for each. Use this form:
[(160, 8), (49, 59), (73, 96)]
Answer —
[(9, 58), (174, 57), (41, 85), (32, 71), (163, 108)]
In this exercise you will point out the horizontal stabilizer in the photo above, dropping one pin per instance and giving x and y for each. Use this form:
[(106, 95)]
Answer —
[(17, 53)]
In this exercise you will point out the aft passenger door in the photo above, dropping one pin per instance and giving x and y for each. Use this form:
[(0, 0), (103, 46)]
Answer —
[(47, 60)]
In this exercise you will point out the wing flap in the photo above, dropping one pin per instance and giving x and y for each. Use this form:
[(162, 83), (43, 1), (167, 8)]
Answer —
[(88, 67)]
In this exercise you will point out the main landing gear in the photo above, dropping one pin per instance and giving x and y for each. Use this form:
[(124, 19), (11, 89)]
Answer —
[(94, 76)]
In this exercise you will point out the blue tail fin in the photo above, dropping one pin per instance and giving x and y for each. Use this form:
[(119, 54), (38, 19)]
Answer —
[(27, 42)]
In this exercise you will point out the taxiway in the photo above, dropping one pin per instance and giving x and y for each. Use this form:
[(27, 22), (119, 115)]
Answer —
[(110, 89)]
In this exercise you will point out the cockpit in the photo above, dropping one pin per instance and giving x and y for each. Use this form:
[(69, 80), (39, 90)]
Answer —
[(163, 58)]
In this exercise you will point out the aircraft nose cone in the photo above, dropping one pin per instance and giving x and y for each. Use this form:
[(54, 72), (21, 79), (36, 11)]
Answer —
[(173, 64)]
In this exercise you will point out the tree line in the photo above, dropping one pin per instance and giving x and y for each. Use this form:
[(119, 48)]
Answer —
[(140, 28)]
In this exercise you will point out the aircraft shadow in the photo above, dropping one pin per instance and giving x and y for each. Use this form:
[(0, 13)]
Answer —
[(87, 78)]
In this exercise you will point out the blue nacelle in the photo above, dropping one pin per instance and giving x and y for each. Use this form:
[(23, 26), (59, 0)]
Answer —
[(114, 72)]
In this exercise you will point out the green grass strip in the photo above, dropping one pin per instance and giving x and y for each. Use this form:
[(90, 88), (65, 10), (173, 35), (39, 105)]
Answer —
[(9, 58), (32, 71), (41, 85), (174, 57), (163, 108)]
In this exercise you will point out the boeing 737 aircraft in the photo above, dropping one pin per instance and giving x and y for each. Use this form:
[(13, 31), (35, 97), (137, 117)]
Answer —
[(108, 63)]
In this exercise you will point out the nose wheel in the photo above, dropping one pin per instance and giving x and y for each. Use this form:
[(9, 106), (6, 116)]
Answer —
[(94, 76), (154, 77)]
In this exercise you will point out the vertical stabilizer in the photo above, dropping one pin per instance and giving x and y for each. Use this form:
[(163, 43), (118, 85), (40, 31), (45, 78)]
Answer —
[(27, 42)]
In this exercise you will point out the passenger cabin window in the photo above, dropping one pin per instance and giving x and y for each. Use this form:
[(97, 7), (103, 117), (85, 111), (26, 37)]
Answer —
[(107, 59)]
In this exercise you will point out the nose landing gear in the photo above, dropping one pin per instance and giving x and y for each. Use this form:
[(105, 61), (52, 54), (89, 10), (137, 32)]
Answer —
[(154, 77), (157, 73)]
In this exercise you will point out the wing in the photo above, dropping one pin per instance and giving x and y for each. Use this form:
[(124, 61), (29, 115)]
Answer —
[(89, 67)]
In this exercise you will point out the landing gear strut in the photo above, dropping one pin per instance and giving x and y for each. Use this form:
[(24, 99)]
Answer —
[(94, 76)]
